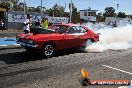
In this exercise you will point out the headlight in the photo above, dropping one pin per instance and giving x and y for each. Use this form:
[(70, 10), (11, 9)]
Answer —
[(30, 42)]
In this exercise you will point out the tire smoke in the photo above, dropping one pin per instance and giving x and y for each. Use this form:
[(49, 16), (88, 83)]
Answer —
[(117, 38)]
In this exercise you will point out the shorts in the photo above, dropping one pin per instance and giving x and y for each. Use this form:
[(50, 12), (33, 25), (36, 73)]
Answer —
[(26, 31)]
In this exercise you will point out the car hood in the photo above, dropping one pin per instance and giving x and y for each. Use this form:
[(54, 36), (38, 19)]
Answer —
[(45, 37), (40, 37), (26, 36)]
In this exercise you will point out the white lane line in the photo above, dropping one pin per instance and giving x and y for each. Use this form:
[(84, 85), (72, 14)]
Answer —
[(117, 69)]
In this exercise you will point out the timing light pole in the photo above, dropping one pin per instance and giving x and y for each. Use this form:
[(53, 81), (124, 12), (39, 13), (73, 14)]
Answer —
[(24, 8), (41, 8), (70, 10)]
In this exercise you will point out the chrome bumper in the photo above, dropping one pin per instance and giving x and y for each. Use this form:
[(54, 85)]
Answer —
[(28, 45)]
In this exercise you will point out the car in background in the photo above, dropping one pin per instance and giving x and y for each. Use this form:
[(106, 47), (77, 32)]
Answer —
[(59, 37)]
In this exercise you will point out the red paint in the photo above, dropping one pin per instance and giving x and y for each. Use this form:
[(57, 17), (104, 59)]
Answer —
[(62, 41)]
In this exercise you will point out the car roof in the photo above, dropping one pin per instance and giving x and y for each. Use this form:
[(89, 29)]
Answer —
[(69, 24)]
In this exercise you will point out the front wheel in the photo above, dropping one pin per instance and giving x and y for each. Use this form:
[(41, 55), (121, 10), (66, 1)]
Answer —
[(49, 50)]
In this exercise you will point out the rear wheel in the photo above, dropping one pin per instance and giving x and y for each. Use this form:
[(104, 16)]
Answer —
[(87, 43), (49, 50)]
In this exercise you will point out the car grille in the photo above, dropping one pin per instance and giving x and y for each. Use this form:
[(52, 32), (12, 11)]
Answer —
[(24, 40)]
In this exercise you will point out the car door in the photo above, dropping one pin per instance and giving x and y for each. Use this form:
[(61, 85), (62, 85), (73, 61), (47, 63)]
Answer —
[(78, 36), (84, 35), (71, 38), (59, 36)]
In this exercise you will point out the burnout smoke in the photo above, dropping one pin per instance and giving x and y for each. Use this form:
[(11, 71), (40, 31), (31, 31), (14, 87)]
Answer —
[(118, 38)]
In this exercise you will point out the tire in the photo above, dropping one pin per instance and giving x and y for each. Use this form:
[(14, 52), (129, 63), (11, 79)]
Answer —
[(87, 43), (49, 50)]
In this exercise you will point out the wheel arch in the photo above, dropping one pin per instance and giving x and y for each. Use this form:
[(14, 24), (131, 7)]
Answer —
[(50, 42)]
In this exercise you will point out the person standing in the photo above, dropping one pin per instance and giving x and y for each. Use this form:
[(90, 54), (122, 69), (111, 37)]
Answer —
[(45, 23), (38, 23), (27, 24), (1, 24)]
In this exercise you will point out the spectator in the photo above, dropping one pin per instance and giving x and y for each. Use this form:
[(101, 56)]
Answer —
[(38, 23), (27, 24), (45, 23), (1, 24)]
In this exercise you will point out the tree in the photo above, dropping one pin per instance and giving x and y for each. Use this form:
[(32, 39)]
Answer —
[(38, 9), (109, 12), (5, 5), (100, 17), (20, 6), (71, 4), (15, 4), (56, 11), (75, 15), (49, 12), (121, 15)]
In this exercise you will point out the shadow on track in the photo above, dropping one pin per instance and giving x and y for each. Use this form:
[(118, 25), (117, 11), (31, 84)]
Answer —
[(6, 48), (20, 57)]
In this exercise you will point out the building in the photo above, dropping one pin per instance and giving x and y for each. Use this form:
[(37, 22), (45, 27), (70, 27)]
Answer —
[(117, 21), (88, 15)]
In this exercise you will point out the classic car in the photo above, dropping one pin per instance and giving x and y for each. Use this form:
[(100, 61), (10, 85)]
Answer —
[(60, 36)]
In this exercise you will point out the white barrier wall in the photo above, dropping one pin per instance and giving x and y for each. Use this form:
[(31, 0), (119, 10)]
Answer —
[(119, 21), (20, 18), (58, 19)]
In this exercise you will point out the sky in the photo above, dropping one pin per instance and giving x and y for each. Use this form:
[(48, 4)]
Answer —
[(100, 5)]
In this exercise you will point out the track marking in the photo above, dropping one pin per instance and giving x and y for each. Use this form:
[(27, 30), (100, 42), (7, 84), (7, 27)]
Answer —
[(11, 45), (117, 69), (120, 71)]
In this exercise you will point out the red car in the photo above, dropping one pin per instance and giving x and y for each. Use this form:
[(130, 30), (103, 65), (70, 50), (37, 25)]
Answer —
[(60, 36)]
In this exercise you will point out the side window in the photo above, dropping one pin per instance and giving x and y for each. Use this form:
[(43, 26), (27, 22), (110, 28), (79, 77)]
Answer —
[(82, 30), (73, 30), (70, 30), (61, 29)]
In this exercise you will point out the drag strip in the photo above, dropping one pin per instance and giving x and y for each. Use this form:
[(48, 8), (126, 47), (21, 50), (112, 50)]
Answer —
[(20, 69), (117, 69)]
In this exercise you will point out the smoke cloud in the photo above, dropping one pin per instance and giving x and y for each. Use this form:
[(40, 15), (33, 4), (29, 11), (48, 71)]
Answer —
[(118, 38)]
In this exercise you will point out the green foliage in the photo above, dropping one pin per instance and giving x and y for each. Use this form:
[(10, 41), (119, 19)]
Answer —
[(100, 17), (5, 5), (55, 11), (58, 10), (121, 15), (9, 5), (109, 12)]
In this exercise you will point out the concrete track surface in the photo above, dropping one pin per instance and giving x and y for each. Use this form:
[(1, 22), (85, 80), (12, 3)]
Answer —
[(20, 69)]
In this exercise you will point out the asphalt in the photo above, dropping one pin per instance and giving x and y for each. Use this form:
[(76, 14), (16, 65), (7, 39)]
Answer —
[(20, 69)]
